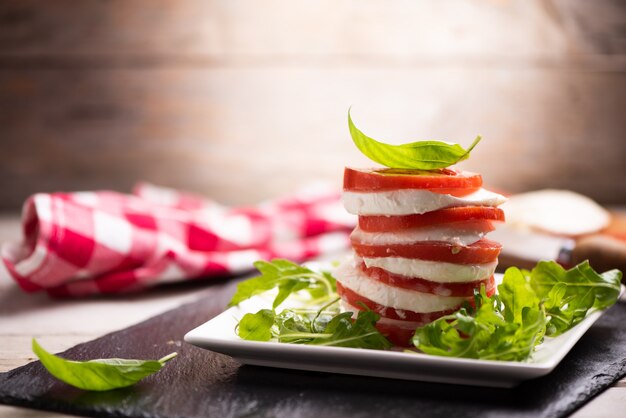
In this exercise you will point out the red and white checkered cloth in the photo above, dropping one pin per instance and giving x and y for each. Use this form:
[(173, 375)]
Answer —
[(85, 243)]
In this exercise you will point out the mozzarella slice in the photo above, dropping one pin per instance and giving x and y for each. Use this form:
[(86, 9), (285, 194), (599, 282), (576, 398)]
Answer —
[(410, 201), (435, 271), (441, 233), (404, 299)]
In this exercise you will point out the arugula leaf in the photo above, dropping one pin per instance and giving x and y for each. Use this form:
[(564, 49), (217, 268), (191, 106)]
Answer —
[(516, 293), (421, 155), (296, 327), (548, 300), (570, 294), (483, 333), (289, 278), (324, 326), (256, 326), (100, 374), (320, 328), (342, 331)]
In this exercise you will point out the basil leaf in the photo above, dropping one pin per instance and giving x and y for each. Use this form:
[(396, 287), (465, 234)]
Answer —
[(100, 374), (570, 294), (289, 278), (421, 155)]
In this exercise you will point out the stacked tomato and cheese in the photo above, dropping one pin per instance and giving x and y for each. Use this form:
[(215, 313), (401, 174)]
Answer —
[(419, 247)]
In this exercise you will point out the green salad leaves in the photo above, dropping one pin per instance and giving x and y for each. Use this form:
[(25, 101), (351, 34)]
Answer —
[(320, 327), (101, 374), (318, 322), (548, 300), (420, 155), (545, 301), (569, 294), (289, 278), (492, 331)]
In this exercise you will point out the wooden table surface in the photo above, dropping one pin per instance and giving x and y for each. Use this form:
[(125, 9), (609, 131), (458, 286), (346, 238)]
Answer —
[(59, 325)]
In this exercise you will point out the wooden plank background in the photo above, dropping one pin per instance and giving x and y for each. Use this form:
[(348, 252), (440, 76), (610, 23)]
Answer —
[(244, 100)]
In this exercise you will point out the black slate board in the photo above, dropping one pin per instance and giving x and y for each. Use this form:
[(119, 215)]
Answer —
[(200, 383)]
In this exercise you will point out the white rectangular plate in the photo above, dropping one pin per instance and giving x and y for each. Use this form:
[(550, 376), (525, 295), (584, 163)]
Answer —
[(219, 335)]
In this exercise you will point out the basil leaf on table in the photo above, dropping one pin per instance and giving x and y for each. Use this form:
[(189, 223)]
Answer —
[(100, 374), (420, 155)]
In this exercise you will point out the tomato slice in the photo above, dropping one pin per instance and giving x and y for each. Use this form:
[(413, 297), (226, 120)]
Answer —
[(437, 217), (483, 251), (354, 299), (444, 181), (398, 332), (427, 286), (398, 335)]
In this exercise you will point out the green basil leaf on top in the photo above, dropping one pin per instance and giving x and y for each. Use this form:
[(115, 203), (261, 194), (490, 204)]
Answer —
[(420, 155), (100, 374)]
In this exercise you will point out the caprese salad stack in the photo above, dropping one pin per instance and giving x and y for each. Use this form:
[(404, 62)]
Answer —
[(419, 247)]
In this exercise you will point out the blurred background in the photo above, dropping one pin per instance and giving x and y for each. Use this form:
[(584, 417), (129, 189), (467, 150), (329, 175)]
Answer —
[(245, 100)]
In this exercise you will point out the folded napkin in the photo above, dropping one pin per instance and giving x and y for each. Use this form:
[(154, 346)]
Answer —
[(85, 243)]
